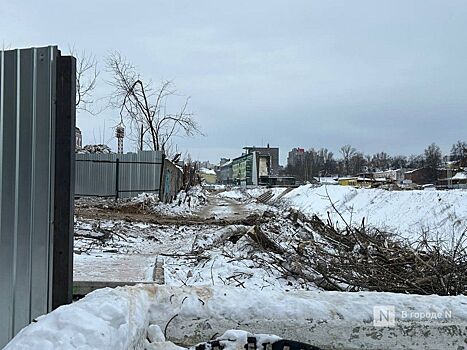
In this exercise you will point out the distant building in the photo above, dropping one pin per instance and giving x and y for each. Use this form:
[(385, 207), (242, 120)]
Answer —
[(272, 152), (78, 138), (206, 164), (255, 169), (207, 176), (224, 161), (363, 181), (396, 175), (296, 156), (459, 180), (347, 181), (225, 173), (423, 176), (244, 170), (280, 181)]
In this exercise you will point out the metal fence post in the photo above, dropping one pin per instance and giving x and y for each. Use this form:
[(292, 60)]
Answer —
[(117, 175), (62, 285), (161, 184)]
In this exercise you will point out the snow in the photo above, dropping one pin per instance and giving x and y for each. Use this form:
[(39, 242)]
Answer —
[(113, 267), (243, 305), (236, 339), (214, 187), (213, 284), (258, 191), (328, 180), (250, 193), (207, 171), (107, 319), (100, 149), (186, 203), (411, 171), (460, 176), (241, 193), (234, 194), (132, 318), (155, 334), (407, 213)]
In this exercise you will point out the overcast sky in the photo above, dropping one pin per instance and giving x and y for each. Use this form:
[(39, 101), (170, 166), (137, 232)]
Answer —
[(379, 75)]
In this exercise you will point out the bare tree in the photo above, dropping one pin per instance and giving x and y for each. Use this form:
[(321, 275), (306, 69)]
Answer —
[(87, 73), (416, 161), (357, 162), (459, 152), (145, 107), (347, 152), (381, 160), (399, 162), (433, 160)]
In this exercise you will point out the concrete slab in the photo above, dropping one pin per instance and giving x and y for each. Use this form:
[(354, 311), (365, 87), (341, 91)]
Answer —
[(114, 267)]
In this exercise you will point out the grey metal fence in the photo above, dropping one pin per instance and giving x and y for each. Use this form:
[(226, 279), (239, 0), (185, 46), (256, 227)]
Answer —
[(28, 118), (118, 175), (172, 181)]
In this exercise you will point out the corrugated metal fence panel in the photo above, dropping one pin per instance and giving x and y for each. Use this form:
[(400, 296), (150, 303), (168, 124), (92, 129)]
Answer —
[(142, 174), (95, 178), (138, 172), (27, 119), (172, 181)]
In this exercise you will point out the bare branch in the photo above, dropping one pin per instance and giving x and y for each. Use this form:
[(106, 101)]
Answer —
[(146, 107), (87, 73)]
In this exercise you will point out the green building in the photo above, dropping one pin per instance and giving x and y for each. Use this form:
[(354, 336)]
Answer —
[(245, 170)]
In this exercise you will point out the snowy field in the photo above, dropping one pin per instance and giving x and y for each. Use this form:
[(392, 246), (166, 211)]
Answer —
[(408, 213)]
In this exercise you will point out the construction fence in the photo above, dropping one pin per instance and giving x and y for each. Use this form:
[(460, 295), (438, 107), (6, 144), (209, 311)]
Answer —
[(37, 125), (127, 175)]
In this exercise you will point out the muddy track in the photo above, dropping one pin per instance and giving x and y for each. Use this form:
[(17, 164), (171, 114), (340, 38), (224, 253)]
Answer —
[(133, 214)]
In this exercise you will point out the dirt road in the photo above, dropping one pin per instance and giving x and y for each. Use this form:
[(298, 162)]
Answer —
[(217, 211), (224, 208)]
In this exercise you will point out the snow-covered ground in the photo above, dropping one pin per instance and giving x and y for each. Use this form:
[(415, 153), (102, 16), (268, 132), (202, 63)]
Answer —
[(408, 213), (114, 267), (192, 255), (135, 246), (214, 283), (186, 203), (141, 317), (130, 253), (249, 194)]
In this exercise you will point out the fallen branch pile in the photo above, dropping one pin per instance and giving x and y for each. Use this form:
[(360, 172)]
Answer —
[(354, 258)]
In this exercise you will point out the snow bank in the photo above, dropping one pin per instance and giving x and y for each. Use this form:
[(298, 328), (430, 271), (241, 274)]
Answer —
[(106, 319), (186, 203), (249, 193), (234, 194), (207, 171), (405, 212), (123, 319), (327, 319)]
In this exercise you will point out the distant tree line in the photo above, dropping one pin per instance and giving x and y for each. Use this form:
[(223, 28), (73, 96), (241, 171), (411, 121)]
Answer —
[(322, 162)]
